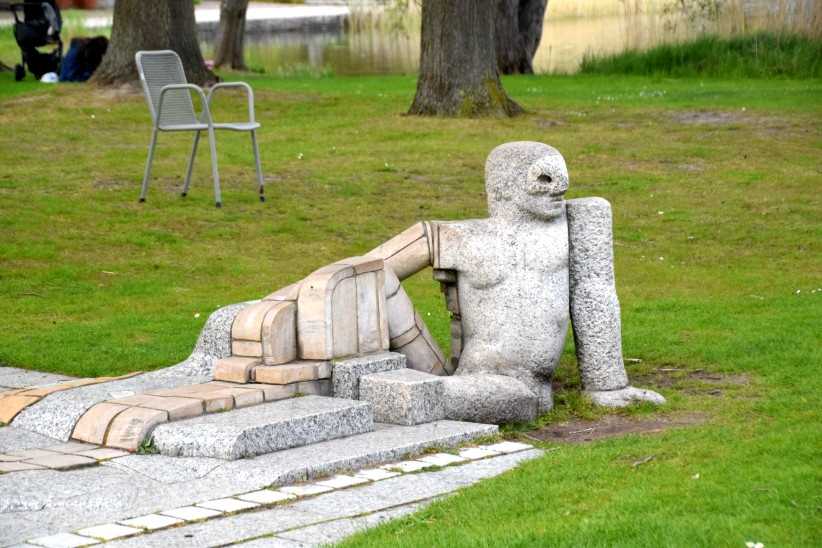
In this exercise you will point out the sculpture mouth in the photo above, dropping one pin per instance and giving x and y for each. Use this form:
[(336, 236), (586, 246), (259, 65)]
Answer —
[(539, 190)]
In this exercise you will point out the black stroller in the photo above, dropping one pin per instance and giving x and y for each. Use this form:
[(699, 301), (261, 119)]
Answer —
[(37, 23)]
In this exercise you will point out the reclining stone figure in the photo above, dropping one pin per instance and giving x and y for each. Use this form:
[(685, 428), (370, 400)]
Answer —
[(512, 283)]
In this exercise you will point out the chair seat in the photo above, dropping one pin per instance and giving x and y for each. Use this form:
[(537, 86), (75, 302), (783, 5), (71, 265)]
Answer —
[(231, 126)]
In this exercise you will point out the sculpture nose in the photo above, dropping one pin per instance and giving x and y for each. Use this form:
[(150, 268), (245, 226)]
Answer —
[(548, 175)]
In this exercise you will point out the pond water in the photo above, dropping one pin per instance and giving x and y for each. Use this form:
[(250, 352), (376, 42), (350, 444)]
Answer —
[(379, 49)]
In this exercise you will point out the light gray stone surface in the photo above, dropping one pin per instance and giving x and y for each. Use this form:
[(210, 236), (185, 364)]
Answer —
[(624, 396), (404, 396), (13, 377), (594, 303), (13, 438), (264, 428), (56, 414), (523, 273), (335, 531), (135, 485), (346, 373), (512, 271), (488, 398), (327, 516)]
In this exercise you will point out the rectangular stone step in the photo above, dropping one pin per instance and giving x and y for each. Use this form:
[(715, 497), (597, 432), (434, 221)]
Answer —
[(264, 428)]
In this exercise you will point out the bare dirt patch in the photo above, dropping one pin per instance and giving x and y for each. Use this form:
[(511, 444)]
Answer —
[(692, 381), (707, 117), (611, 426)]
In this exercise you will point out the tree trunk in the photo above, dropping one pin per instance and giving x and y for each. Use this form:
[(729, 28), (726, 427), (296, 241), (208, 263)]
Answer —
[(152, 25), (458, 65), (231, 35), (518, 32)]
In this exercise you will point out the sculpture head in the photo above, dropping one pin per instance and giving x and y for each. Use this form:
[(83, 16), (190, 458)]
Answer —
[(525, 179)]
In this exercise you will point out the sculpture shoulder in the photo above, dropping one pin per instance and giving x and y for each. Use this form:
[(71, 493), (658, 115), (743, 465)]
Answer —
[(449, 237)]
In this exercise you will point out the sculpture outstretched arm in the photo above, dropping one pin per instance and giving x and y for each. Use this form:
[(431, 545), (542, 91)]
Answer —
[(595, 314), (408, 252), (405, 255)]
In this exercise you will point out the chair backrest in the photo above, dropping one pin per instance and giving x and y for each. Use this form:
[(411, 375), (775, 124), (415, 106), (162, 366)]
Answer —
[(159, 69)]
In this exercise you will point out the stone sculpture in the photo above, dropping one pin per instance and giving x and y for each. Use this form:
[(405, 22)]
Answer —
[(512, 283)]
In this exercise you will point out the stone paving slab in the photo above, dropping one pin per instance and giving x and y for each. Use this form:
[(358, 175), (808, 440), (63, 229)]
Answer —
[(43, 502), (332, 516)]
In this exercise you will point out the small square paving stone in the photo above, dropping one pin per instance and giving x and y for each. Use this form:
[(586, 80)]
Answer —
[(71, 447), (64, 540), (376, 474), (151, 522), (228, 504), (103, 453), (18, 466), (507, 447), (266, 496), (109, 531), (474, 453), (442, 459), (62, 461), (342, 481), (191, 513), (407, 466), (306, 490)]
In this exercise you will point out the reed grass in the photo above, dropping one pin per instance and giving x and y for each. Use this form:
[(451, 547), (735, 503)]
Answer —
[(757, 55)]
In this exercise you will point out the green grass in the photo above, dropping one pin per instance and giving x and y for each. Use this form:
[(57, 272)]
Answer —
[(758, 55), (715, 186)]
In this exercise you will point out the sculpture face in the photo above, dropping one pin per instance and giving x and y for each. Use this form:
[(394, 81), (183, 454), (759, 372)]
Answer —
[(526, 180)]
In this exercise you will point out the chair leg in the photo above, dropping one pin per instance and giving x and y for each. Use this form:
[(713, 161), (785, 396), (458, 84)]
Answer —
[(212, 143), (260, 187), (187, 183), (147, 173)]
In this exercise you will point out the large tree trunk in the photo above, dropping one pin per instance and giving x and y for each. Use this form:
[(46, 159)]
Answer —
[(151, 25), (231, 35), (518, 32), (458, 62)]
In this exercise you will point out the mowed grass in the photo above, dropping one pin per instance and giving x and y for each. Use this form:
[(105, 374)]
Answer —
[(715, 186)]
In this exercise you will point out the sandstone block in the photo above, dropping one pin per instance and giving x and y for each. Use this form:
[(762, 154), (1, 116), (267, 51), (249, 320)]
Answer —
[(279, 334), (93, 425), (235, 369), (287, 293), (292, 372), (132, 426), (404, 396), (11, 405), (249, 349)]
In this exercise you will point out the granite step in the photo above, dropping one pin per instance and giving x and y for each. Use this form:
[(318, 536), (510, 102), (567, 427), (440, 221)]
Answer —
[(264, 428)]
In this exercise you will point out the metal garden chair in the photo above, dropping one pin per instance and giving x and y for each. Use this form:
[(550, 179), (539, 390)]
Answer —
[(169, 99)]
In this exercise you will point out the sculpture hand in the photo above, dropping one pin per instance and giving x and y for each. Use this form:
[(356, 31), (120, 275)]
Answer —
[(624, 396)]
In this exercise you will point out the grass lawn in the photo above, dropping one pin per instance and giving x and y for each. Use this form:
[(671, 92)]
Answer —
[(716, 187)]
